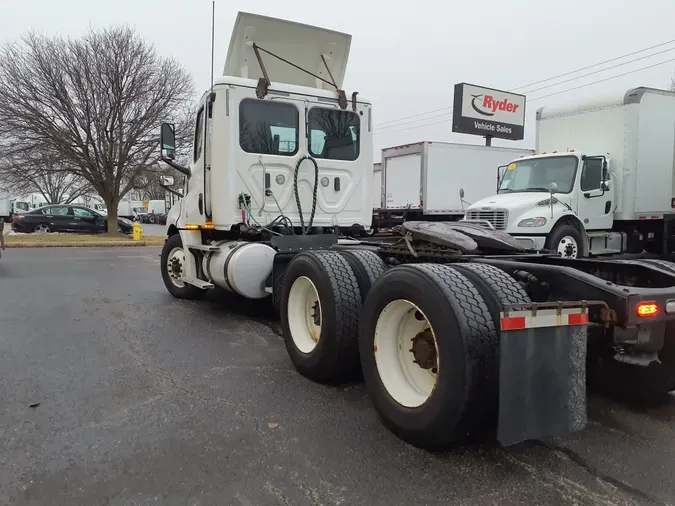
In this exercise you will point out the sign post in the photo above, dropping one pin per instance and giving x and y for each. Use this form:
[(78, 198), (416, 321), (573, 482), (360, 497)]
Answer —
[(488, 112)]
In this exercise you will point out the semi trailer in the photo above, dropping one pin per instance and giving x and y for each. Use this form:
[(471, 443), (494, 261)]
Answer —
[(437, 181), (602, 181), (459, 330)]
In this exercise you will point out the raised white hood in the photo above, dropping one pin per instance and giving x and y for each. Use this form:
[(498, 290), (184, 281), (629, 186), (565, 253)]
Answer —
[(300, 44)]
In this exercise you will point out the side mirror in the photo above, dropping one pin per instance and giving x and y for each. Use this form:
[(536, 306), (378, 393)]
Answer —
[(167, 140), (167, 181), (552, 188), (461, 193)]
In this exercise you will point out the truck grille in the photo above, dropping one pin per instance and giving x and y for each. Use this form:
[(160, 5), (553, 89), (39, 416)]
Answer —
[(497, 219)]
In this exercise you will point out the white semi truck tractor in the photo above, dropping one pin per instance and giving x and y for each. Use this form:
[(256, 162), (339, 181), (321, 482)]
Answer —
[(458, 330), (602, 181)]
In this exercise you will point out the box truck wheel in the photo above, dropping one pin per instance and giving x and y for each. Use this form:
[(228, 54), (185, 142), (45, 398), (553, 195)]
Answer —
[(428, 350), (566, 241), (172, 265), (320, 305), (367, 267)]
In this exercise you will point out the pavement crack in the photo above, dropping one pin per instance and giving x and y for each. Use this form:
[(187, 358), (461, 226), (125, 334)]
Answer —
[(597, 473)]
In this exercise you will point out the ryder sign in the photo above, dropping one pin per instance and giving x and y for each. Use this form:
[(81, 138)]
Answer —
[(488, 112)]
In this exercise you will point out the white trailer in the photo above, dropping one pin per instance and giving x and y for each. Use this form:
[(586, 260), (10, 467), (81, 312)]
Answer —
[(282, 163), (378, 188), (5, 206), (602, 182), (437, 181)]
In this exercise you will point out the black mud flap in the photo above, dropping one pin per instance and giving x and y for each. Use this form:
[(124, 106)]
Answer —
[(542, 381)]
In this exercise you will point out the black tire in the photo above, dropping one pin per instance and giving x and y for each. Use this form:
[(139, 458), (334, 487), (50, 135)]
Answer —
[(336, 355), (367, 267), (187, 292), (495, 286), (48, 228), (464, 396), (633, 382), (561, 231)]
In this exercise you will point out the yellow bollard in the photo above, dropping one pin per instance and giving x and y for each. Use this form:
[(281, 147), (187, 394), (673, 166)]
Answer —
[(138, 230)]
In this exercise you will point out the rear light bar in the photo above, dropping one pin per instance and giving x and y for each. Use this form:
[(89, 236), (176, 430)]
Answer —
[(518, 320)]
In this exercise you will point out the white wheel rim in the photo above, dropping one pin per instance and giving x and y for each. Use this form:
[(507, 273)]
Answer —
[(41, 229), (304, 314), (408, 383), (174, 265), (568, 247)]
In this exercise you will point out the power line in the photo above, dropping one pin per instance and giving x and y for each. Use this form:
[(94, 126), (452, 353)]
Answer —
[(601, 70), (597, 64), (396, 121), (543, 96), (603, 80)]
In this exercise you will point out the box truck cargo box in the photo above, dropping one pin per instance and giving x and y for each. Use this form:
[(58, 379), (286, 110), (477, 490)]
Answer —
[(425, 180)]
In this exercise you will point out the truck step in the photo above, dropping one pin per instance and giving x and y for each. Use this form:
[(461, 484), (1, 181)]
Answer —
[(199, 283), (203, 247)]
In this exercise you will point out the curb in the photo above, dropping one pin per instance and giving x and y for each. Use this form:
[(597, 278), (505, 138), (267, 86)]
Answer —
[(134, 244)]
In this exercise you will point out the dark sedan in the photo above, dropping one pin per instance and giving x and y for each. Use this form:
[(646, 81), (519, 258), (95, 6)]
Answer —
[(67, 218)]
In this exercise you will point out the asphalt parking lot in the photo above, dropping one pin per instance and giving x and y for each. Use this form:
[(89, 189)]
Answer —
[(114, 393)]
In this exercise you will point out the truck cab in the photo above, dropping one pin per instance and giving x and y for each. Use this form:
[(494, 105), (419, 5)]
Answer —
[(551, 201), (278, 149)]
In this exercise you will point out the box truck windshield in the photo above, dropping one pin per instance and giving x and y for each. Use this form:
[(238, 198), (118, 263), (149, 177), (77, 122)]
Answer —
[(537, 174)]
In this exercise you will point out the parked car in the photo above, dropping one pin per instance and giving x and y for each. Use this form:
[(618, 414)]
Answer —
[(67, 218)]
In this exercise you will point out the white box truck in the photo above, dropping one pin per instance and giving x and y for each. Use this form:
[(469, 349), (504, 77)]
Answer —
[(424, 181), (602, 182), (5, 206)]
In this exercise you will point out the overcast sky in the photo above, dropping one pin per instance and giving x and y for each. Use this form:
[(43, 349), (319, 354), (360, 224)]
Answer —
[(407, 56)]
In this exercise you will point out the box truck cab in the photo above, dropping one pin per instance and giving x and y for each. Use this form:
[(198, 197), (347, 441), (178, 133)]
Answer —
[(601, 183)]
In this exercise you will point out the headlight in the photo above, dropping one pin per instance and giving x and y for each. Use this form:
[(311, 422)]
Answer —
[(540, 221)]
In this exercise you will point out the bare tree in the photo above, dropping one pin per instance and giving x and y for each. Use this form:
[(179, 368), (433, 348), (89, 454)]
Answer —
[(148, 186), (44, 175), (95, 102)]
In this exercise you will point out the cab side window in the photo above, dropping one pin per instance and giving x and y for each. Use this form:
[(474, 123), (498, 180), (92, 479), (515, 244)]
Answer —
[(591, 176), (199, 135)]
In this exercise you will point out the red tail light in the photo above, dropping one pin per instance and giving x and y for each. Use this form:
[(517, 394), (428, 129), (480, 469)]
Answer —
[(646, 309), (17, 218)]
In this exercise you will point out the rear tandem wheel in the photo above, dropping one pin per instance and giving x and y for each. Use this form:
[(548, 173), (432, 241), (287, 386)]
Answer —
[(320, 305), (428, 349)]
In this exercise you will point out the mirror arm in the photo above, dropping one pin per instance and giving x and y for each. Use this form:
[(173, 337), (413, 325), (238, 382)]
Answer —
[(178, 167), (170, 190)]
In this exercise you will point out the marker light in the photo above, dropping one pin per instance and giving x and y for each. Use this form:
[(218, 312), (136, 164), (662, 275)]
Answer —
[(647, 309)]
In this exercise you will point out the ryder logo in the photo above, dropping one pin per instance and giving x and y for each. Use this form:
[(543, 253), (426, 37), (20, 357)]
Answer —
[(487, 105), (488, 112)]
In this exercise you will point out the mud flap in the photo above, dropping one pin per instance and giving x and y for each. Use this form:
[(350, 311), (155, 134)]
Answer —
[(542, 378)]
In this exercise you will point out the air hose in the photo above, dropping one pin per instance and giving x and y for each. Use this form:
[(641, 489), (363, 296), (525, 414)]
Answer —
[(314, 195)]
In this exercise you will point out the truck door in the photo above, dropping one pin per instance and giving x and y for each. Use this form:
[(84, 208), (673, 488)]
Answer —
[(595, 205)]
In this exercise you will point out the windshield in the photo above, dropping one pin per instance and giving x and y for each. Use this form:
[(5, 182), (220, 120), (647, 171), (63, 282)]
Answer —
[(536, 174)]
